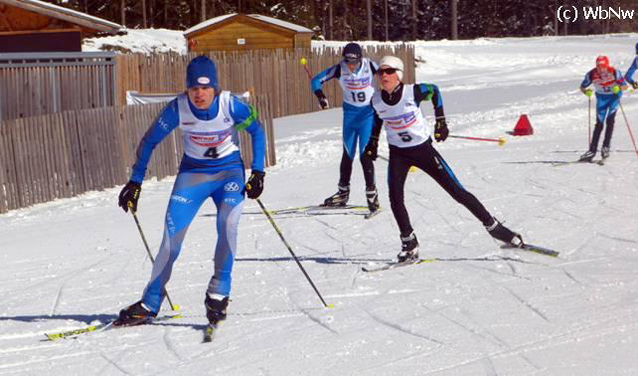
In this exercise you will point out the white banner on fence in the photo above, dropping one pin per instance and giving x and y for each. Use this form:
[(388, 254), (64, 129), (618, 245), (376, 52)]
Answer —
[(135, 97)]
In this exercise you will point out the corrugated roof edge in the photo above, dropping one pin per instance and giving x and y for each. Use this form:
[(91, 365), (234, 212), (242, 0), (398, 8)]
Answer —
[(31, 4)]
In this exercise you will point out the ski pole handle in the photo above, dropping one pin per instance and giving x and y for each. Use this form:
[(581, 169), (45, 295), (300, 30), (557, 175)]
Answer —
[(304, 62), (500, 140)]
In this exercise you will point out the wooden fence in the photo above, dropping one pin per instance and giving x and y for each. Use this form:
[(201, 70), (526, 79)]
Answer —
[(42, 83), (278, 73), (68, 153)]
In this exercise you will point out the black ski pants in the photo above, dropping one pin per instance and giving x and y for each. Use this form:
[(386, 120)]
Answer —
[(598, 129), (345, 170), (425, 157)]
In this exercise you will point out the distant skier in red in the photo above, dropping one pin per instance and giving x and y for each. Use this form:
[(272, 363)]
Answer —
[(608, 84)]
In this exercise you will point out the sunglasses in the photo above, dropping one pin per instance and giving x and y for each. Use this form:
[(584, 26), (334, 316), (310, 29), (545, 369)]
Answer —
[(352, 58), (386, 71)]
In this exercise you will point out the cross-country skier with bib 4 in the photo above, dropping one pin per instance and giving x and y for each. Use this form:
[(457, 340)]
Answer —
[(410, 139), (211, 167), (356, 78)]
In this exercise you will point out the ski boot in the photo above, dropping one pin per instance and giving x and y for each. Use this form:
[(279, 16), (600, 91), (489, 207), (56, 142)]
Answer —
[(604, 152), (373, 199), (216, 307), (409, 249), (338, 199), (215, 312), (587, 157), (502, 233), (135, 314)]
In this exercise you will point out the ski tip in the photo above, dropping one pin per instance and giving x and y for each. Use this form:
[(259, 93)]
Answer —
[(209, 334), (372, 214), (423, 261)]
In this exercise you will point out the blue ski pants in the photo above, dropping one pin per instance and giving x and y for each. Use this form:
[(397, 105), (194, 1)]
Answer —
[(190, 190)]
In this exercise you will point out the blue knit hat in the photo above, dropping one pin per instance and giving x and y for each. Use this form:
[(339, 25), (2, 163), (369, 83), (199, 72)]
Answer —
[(201, 71)]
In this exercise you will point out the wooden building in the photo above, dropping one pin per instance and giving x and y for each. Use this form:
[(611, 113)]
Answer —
[(246, 32), (37, 26)]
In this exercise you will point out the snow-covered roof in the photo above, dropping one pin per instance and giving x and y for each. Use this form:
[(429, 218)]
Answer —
[(207, 23), (270, 20), (284, 24), (65, 14)]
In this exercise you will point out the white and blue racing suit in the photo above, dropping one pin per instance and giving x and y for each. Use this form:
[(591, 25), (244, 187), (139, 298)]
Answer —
[(211, 167), (357, 87)]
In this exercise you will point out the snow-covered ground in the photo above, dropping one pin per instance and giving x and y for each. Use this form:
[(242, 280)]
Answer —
[(476, 310)]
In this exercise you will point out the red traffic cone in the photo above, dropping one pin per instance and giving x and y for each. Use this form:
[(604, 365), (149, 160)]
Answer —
[(523, 127)]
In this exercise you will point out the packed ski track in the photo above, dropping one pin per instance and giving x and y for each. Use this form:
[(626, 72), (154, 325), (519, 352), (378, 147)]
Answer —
[(476, 309)]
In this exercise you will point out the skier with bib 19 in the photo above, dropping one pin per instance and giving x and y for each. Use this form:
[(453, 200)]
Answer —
[(397, 110), (609, 84), (629, 76), (356, 78), (211, 167)]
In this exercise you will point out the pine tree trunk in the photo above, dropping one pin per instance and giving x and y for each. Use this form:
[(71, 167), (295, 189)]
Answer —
[(151, 12), (165, 14), (414, 20), (454, 20), (331, 20), (144, 14), (385, 19), (369, 9), (123, 12)]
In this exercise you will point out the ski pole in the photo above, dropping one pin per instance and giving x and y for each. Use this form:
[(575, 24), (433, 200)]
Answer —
[(148, 251), (281, 236), (500, 140), (628, 128), (304, 62), (589, 119)]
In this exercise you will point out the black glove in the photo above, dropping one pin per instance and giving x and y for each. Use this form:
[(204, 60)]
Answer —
[(255, 184), (129, 196), (440, 130), (323, 101), (371, 149), (634, 85)]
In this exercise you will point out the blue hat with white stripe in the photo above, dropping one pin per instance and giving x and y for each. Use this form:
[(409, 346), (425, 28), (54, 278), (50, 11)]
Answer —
[(201, 71)]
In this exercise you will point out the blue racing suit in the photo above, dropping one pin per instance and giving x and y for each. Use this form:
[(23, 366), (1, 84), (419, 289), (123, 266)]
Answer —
[(358, 116), (211, 167), (606, 102), (629, 76)]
